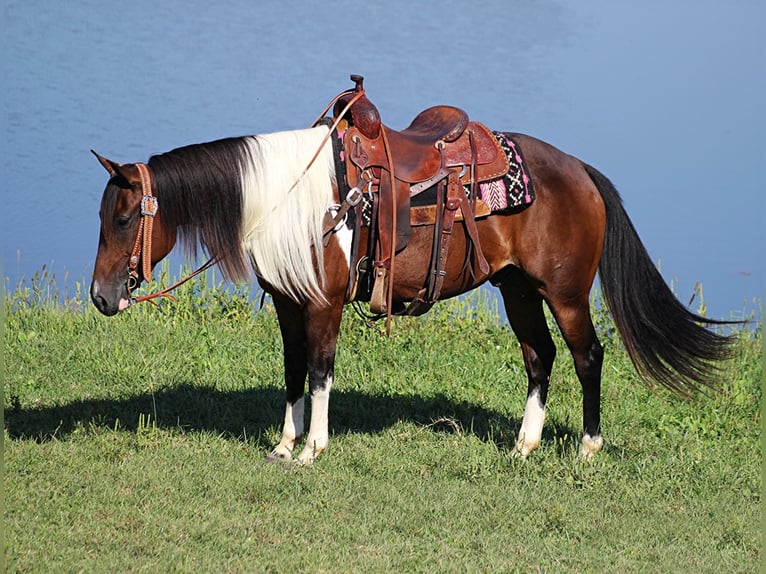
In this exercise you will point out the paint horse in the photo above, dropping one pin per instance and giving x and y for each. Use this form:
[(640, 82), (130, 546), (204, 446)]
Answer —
[(261, 205)]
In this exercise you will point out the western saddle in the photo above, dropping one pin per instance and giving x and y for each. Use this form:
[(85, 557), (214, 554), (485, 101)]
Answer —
[(441, 148)]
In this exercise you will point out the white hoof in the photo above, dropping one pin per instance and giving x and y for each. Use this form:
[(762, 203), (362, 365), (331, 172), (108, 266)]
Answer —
[(280, 454), (590, 446), (524, 447), (310, 452)]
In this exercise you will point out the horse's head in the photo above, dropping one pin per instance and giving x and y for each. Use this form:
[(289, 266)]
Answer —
[(132, 239)]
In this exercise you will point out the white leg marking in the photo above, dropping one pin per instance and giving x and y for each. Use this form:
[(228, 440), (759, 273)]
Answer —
[(531, 426), (319, 434), (590, 445), (291, 431), (345, 235)]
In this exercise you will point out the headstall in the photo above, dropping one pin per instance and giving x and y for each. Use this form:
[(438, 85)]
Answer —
[(142, 248)]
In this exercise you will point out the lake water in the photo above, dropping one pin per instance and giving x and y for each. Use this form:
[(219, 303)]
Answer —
[(666, 98)]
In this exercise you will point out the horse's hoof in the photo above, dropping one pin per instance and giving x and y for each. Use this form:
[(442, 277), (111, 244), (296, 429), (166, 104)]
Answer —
[(279, 455), (310, 453), (518, 454), (306, 458), (523, 449), (590, 446)]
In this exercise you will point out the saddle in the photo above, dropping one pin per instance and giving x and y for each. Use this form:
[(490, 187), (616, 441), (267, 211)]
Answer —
[(440, 148)]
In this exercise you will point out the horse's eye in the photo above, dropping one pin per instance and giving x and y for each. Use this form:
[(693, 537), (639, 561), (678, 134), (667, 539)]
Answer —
[(123, 221)]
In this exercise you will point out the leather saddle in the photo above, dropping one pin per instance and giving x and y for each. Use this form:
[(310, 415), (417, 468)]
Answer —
[(441, 147)]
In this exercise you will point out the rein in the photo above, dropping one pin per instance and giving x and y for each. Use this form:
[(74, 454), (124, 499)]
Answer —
[(333, 127), (142, 248)]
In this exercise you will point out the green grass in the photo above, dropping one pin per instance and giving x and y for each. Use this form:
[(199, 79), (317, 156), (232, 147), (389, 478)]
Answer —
[(137, 444)]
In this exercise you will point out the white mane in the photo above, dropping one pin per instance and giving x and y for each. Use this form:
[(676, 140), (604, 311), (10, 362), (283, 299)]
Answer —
[(283, 209)]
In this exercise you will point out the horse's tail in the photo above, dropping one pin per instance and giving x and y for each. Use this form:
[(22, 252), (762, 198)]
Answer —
[(666, 342)]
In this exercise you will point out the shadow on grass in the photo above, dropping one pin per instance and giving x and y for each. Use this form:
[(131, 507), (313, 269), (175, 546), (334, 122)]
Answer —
[(246, 414)]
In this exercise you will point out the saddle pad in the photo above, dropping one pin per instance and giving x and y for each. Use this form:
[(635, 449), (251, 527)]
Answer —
[(512, 191), (515, 188)]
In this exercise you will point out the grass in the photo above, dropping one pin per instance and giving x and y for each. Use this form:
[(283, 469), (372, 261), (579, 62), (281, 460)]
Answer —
[(137, 443)]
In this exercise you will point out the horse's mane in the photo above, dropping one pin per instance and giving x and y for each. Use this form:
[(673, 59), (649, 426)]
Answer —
[(200, 193), (247, 201)]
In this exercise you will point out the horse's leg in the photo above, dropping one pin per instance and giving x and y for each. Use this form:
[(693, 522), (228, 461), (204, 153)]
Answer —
[(574, 320), (322, 326), (296, 366), (524, 307), (309, 335)]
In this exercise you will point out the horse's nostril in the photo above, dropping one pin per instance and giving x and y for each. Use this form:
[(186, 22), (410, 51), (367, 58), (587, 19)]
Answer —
[(99, 301)]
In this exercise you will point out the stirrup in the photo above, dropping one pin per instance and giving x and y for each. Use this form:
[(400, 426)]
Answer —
[(378, 299)]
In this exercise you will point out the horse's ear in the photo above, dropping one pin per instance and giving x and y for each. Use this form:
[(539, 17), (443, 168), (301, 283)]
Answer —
[(127, 171), (111, 166)]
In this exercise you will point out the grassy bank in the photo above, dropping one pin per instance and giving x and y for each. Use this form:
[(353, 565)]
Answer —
[(137, 443)]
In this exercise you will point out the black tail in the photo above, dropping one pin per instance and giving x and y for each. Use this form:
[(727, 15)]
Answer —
[(666, 342)]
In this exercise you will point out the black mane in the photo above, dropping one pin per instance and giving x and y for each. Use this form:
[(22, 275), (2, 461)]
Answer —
[(199, 188)]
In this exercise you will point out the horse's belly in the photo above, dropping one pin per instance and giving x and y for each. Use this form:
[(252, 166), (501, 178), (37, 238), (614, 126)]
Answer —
[(412, 265)]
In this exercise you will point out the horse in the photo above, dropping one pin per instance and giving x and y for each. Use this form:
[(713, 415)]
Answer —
[(258, 205)]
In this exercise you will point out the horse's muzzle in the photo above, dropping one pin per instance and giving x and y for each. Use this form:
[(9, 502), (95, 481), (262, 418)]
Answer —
[(107, 305)]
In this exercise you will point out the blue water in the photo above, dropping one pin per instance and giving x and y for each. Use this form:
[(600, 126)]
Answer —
[(664, 98)]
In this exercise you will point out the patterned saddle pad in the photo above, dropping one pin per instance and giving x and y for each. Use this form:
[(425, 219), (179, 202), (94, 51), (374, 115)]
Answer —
[(513, 190)]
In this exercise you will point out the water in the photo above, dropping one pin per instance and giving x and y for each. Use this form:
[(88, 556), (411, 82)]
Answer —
[(664, 98)]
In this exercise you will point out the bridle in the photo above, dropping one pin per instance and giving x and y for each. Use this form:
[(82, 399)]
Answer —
[(142, 247)]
